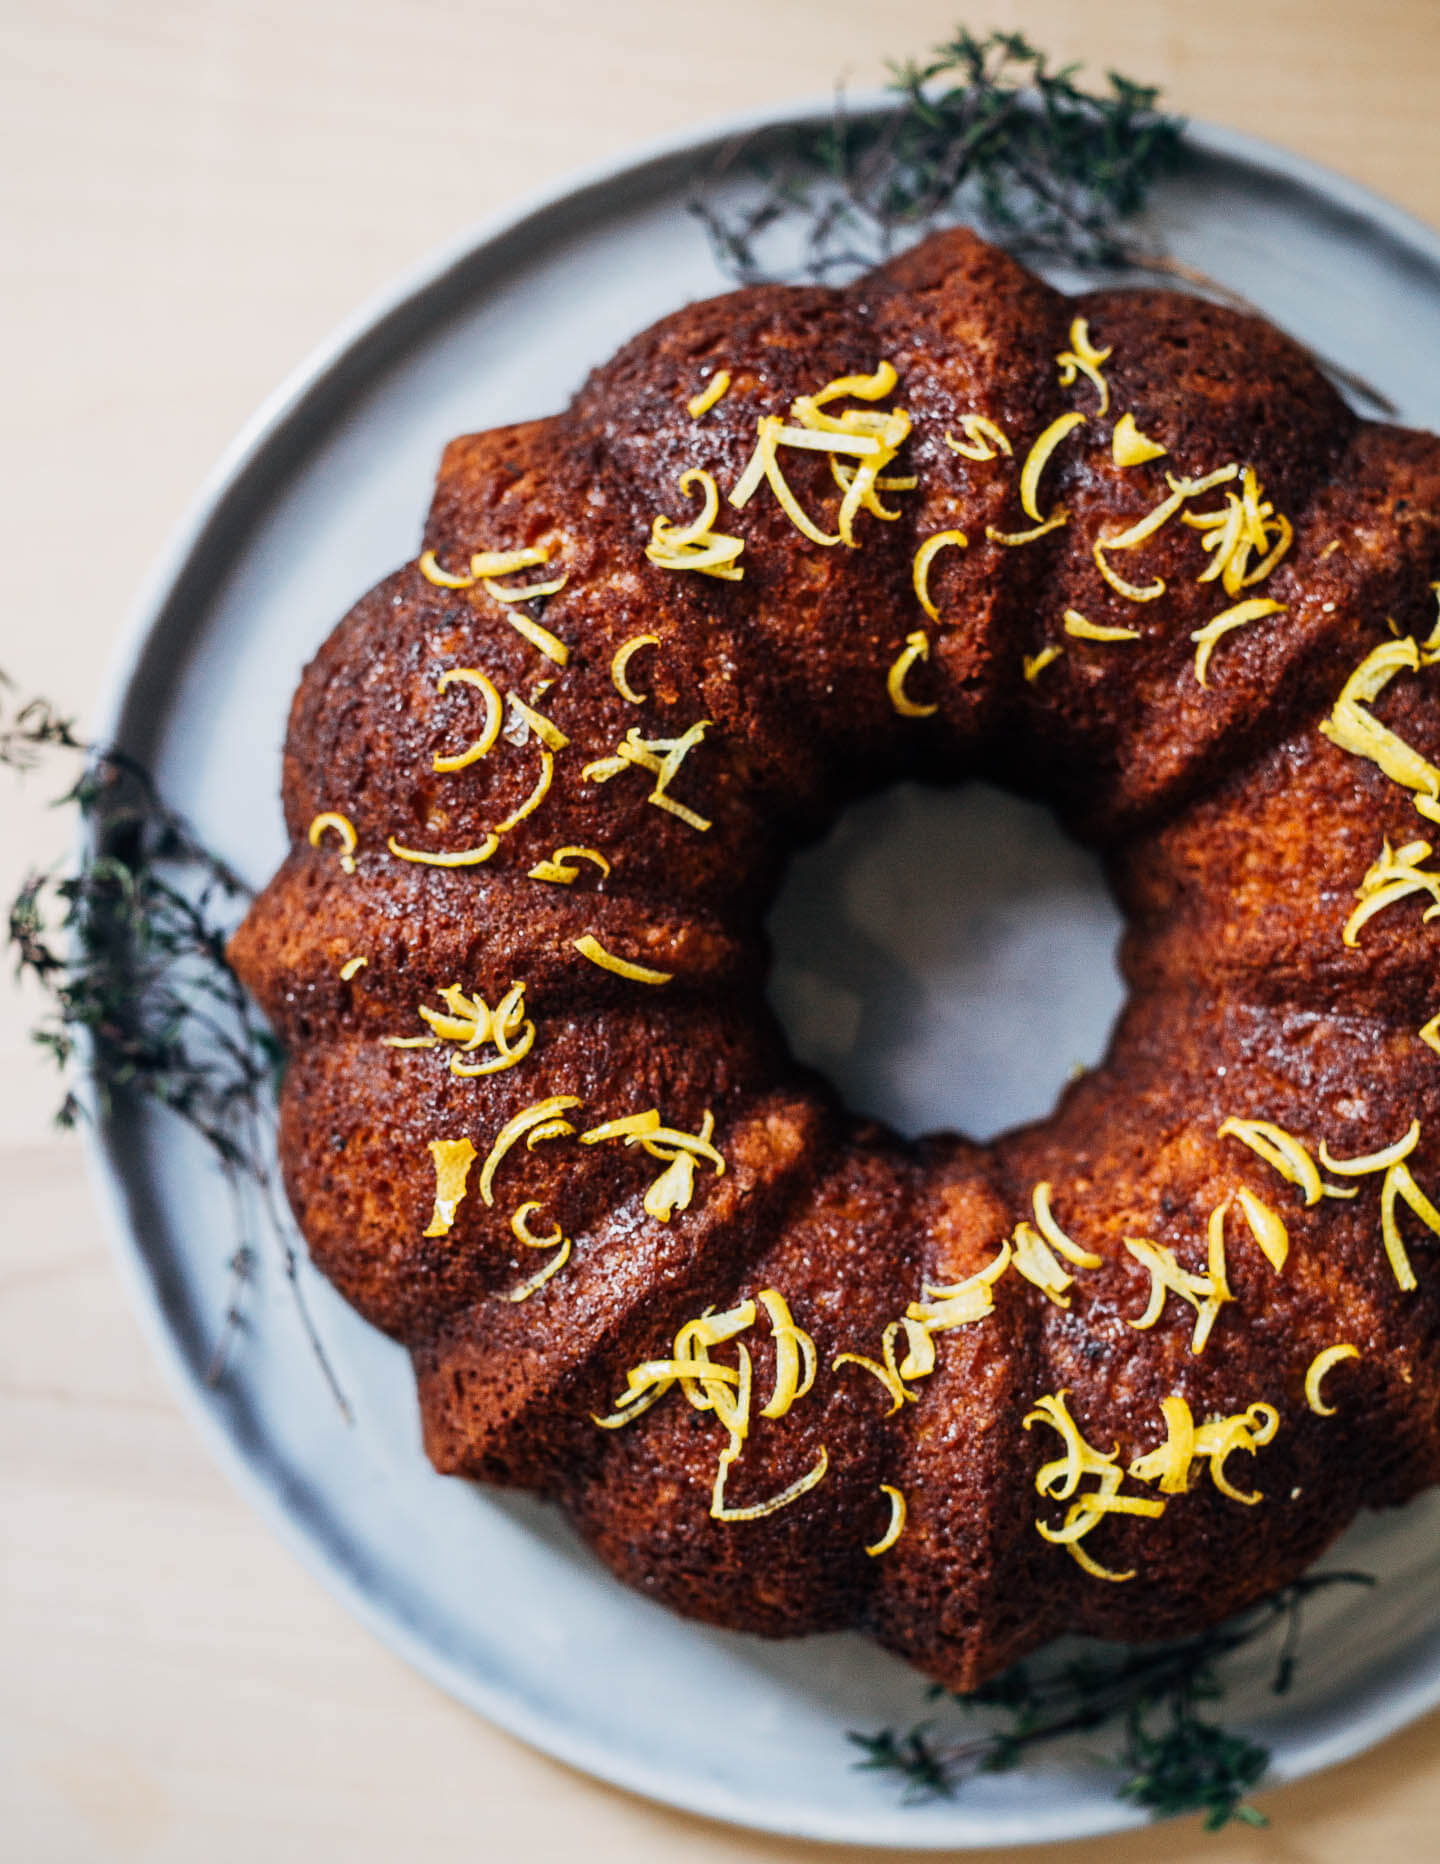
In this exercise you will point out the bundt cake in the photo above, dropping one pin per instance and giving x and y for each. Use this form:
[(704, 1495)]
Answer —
[(1122, 1371)]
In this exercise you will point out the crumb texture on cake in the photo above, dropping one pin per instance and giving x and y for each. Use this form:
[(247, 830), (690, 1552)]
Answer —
[(655, 738)]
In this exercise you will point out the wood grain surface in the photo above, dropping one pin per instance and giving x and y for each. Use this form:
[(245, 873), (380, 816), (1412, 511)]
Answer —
[(192, 195)]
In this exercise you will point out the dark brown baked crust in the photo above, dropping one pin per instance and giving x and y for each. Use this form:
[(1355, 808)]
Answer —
[(1235, 834)]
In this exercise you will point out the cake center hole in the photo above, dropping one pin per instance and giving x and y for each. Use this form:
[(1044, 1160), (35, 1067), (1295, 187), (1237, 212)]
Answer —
[(947, 958)]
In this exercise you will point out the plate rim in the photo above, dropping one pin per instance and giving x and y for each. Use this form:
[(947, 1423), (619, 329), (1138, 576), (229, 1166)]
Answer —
[(219, 500)]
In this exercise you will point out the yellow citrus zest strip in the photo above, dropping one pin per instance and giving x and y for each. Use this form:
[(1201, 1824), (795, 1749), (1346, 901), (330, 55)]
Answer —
[(1393, 876), (872, 437), (1120, 584), (331, 821), (523, 1234), (1205, 638), (1266, 1226), (758, 1510), (561, 869), (654, 1377), (1244, 525), (514, 1130), (873, 387), (1047, 1226), (494, 717), (1146, 527), (924, 557), (917, 647), (704, 1382), (1059, 1480), (528, 720), (1132, 592), (795, 1361), (1082, 358), (590, 947), (983, 439), (886, 429), (1153, 520), (888, 1373), (433, 573), (442, 579), (537, 796), (1358, 731), (547, 1129), (673, 1190), (1207, 1294), (1314, 1377), (714, 390), (351, 967), (543, 1275), (1036, 1261), (1012, 540), (628, 1126), (1130, 447), (896, 1525), (527, 592), (659, 1142), (959, 1304), (697, 545), (548, 644), (1038, 458), (1083, 630), (1372, 1162), (675, 1187), (765, 465), (844, 477), (507, 1021), (662, 757), (1219, 1438), (1429, 1034), (485, 565), (1168, 1465), (1192, 488), (708, 1385), (470, 1022), (453, 1159), (618, 675), (1093, 1567), (1399, 1187), (464, 1019), (462, 857), (1034, 665), (1284, 1153)]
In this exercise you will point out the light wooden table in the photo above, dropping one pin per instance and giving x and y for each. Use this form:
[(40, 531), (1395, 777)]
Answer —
[(192, 196)]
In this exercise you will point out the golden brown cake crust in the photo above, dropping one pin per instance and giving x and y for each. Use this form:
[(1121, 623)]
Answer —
[(1236, 836)]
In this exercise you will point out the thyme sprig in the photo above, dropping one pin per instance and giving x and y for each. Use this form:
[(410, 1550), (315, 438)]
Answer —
[(128, 949), (1171, 1758), (983, 130)]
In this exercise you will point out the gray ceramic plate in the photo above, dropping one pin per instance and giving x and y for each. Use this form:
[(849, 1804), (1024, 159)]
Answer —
[(912, 959)]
